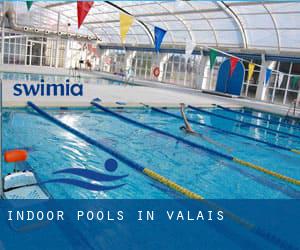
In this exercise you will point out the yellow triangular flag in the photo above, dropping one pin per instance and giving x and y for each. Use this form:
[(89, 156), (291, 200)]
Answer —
[(250, 71), (125, 23)]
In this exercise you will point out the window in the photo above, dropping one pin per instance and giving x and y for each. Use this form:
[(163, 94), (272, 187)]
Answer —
[(22, 49)]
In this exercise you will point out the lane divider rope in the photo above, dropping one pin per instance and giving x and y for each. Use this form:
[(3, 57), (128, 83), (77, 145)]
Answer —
[(136, 166), (248, 123), (269, 172), (225, 131), (257, 117), (171, 184), (274, 115), (195, 145), (145, 126), (296, 151), (159, 178)]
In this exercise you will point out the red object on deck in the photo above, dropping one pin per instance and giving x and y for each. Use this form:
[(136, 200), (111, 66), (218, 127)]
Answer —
[(15, 155)]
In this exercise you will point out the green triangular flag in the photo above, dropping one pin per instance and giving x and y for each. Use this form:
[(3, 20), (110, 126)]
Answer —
[(212, 56), (295, 80), (29, 4)]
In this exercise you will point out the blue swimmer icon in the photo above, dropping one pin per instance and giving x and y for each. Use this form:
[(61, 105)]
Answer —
[(110, 165)]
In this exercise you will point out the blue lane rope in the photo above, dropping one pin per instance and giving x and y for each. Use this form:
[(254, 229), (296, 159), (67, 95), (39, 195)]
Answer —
[(257, 117), (121, 103), (195, 145), (172, 185), (285, 118), (221, 130), (248, 123), (84, 137), (145, 126), (136, 166)]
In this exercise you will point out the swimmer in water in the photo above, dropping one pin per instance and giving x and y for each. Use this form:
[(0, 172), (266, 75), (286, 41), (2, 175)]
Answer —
[(188, 129)]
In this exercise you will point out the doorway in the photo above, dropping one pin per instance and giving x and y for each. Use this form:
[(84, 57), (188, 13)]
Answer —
[(34, 53)]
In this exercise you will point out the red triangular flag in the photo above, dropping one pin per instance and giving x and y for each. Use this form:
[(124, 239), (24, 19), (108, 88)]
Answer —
[(83, 9), (233, 62)]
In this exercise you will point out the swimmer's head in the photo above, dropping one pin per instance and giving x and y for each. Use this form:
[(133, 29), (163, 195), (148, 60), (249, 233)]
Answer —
[(182, 128), (182, 105)]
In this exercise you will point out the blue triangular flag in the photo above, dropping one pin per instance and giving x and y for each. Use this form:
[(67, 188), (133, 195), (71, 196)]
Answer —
[(268, 75), (159, 34)]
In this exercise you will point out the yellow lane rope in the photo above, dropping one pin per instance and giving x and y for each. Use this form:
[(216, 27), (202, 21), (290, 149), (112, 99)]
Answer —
[(249, 226), (296, 151), (266, 171), (174, 186)]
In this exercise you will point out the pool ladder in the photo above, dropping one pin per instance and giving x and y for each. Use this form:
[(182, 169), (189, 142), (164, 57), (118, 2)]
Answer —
[(292, 106)]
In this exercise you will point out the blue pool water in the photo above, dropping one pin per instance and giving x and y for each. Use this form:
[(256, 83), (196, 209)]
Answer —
[(58, 79), (52, 149)]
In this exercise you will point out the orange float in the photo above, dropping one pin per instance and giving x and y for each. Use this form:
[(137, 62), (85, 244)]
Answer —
[(15, 155), (156, 71)]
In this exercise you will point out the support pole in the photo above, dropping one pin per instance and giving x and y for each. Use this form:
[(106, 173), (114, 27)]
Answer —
[(57, 42), (2, 40)]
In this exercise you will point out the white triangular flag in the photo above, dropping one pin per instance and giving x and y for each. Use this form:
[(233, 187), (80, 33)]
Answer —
[(280, 79), (189, 48)]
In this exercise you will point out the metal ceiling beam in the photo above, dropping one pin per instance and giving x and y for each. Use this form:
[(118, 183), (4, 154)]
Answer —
[(50, 6), (255, 3), (170, 13), (209, 22), (237, 21), (264, 13), (275, 26), (143, 25), (58, 4), (182, 22)]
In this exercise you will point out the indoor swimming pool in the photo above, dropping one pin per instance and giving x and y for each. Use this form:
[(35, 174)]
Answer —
[(52, 148)]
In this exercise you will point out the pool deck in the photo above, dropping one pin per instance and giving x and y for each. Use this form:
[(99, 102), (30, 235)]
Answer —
[(146, 92), (110, 94)]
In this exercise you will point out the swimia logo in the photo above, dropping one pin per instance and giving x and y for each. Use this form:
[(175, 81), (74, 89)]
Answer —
[(48, 89)]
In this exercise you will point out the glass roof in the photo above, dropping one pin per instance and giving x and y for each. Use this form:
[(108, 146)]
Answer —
[(266, 25)]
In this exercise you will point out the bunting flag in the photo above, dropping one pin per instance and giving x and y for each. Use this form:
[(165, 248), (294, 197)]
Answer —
[(83, 8), (159, 35), (295, 80), (29, 4), (212, 57), (233, 63), (251, 67), (280, 79), (189, 48), (125, 23), (268, 76)]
